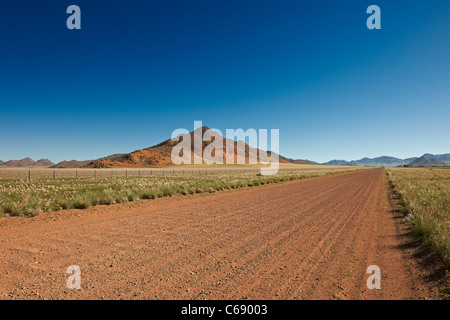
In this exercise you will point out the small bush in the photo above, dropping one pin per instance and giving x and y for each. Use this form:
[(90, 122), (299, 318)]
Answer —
[(12, 210), (80, 205), (147, 196), (106, 201), (166, 192)]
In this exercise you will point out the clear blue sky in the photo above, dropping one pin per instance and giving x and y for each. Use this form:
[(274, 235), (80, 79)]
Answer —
[(137, 70)]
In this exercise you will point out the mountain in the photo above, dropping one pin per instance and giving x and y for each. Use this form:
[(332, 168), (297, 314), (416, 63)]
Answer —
[(337, 163), (26, 162), (116, 155), (441, 157), (43, 163), (427, 162), (301, 161), (161, 154), (83, 163), (385, 161), (71, 164)]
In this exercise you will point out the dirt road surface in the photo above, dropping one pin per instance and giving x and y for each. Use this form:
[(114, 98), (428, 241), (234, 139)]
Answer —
[(308, 239)]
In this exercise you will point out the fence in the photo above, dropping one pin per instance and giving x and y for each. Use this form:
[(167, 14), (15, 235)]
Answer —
[(29, 174)]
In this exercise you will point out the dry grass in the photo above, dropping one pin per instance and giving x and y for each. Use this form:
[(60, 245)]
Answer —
[(19, 197), (39, 173), (425, 196)]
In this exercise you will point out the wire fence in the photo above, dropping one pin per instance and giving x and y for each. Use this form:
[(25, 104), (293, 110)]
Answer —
[(30, 174)]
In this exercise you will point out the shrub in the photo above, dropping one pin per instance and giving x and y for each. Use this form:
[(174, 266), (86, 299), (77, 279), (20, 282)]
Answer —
[(80, 204)]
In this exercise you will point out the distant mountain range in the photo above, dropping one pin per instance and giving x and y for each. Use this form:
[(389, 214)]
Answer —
[(441, 157), (301, 161), (71, 164), (426, 160), (160, 155), (26, 163), (82, 163)]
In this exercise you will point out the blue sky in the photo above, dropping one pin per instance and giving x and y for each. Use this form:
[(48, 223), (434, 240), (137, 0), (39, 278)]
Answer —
[(137, 70)]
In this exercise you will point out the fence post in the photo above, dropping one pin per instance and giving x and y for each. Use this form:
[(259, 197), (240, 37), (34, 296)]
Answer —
[(76, 174), (139, 173), (54, 174), (29, 175)]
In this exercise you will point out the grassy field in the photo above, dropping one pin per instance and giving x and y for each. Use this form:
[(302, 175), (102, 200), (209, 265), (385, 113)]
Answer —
[(425, 197), (19, 197), (40, 173)]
